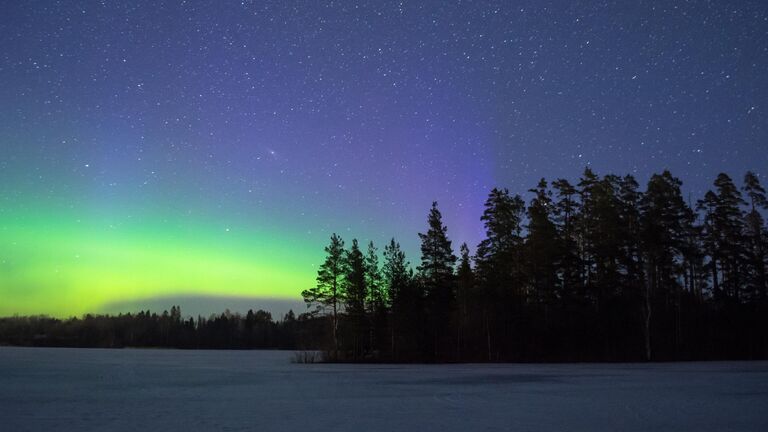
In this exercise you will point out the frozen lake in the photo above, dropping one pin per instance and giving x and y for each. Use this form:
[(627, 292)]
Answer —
[(100, 390)]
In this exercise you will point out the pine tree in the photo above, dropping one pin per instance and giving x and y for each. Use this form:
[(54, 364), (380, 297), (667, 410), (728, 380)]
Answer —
[(728, 226), (629, 236), (565, 214), (500, 265), (394, 272), (664, 215), (541, 246), (502, 218), (436, 273), (464, 296), (401, 294), (437, 258), (599, 232), (692, 249), (710, 239), (377, 301), (755, 237), (377, 294), (608, 243), (587, 228), (356, 296), (328, 296)]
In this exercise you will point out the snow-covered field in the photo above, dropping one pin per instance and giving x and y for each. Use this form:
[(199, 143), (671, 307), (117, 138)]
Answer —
[(166, 390)]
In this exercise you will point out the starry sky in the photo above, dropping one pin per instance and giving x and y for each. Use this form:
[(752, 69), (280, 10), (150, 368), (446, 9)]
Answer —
[(156, 151)]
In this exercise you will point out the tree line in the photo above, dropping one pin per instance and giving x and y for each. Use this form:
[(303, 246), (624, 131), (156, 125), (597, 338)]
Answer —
[(254, 330), (593, 271)]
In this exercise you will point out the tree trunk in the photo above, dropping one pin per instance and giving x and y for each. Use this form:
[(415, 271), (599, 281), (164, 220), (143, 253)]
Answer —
[(392, 342), (488, 336), (647, 317), (647, 328), (335, 333)]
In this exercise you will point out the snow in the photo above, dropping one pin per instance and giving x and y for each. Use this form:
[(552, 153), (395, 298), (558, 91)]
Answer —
[(82, 390)]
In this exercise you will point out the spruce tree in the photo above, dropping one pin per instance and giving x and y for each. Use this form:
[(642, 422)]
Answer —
[(376, 303), (437, 258), (356, 296), (464, 298), (436, 274), (403, 300), (377, 294), (394, 272)]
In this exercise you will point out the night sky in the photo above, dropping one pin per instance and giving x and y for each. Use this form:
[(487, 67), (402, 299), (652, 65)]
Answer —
[(207, 150)]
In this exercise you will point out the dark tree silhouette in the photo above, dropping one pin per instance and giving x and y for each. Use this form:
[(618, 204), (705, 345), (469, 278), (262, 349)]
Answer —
[(663, 215), (404, 301), (328, 295), (465, 284), (377, 302), (541, 249), (356, 294), (499, 267), (755, 239), (436, 275), (728, 224)]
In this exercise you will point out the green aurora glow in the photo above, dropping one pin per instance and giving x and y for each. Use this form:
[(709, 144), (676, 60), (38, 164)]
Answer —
[(54, 263)]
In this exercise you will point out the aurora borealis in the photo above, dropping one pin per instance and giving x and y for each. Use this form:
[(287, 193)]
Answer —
[(161, 149), (73, 265)]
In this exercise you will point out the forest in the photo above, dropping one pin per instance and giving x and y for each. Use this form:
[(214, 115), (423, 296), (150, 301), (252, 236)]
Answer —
[(593, 271), (255, 330), (599, 270)]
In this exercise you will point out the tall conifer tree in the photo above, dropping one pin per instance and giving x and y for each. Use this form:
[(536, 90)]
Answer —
[(755, 237), (356, 296), (436, 273), (329, 294)]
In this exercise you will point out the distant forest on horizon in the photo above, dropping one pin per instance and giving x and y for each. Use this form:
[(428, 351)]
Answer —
[(593, 271)]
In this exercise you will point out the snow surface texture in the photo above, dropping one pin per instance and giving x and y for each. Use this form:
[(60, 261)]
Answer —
[(167, 390)]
